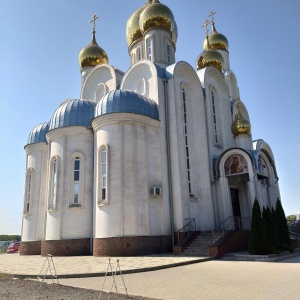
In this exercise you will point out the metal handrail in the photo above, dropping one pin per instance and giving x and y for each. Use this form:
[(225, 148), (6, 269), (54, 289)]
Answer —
[(189, 231), (232, 223)]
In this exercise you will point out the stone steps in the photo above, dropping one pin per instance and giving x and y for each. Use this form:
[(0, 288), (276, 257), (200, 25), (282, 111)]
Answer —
[(199, 246)]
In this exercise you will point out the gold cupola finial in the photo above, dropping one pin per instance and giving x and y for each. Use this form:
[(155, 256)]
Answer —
[(240, 125), (94, 18), (92, 55), (209, 57), (217, 40)]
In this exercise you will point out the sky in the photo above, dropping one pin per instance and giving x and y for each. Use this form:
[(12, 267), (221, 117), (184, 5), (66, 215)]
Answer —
[(41, 40)]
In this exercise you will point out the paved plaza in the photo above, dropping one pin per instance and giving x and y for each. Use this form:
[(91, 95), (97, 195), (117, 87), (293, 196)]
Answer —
[(214, 279)]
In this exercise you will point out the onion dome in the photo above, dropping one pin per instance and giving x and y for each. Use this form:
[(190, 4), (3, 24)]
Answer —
[(240, 125), (92, 55), (133, 32), (157, 15), (124, 101), (209, 58), (38, 134), (217, 40), (73, 112)]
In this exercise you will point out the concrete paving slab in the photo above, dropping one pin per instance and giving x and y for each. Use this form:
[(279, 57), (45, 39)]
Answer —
[(30, 266)]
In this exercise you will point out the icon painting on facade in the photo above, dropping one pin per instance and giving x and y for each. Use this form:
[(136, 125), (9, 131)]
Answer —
[(234, 164)]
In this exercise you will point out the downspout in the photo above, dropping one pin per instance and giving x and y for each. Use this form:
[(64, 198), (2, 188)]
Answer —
[(93, 198), (170, 189)]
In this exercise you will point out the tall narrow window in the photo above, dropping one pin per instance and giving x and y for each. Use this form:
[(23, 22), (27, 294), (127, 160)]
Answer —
[(103, 173), (187, 152), (28, 195), (168, 54), (149, 49), (139, 53), (53, 184), (214, 115), (76, 180)]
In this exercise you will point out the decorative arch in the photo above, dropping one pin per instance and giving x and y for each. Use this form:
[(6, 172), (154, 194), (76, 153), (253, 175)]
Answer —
[(238, 105), (243, 164), (262, 148), (102, 73), (231, 81), (146, 70)]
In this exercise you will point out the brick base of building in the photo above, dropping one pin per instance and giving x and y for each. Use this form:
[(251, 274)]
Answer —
[(132, 246), (30, 248), (237, 241), (76, 247)]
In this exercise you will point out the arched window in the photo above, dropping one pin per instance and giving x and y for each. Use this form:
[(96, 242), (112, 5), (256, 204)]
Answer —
[(103, 175), (141, 87), (149, 49), (187, 150), (28, 191), (214, 116), (53, 184), (139, 51), (168, 54), (76, 180), (100, 92)]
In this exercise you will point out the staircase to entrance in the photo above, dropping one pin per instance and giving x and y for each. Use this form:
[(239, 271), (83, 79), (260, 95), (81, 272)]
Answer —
[(189, 242)]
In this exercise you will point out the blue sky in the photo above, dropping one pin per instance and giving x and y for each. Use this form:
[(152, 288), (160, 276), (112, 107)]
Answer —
[(41, 40)]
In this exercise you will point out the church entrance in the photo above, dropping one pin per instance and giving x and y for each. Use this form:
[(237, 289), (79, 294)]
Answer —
[(236, 210)]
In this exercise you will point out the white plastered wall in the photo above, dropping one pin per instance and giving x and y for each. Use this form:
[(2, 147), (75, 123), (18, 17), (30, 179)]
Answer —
[(34, 219), (66, 222), (200, 205), (134, 167)]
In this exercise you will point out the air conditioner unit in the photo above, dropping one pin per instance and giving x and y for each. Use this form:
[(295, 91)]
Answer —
[(156, 191)]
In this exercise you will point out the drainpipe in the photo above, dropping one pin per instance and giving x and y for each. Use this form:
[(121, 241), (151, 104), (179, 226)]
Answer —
[(166, 99), (94, 206)]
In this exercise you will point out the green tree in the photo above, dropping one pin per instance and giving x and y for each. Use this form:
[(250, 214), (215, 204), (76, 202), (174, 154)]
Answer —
[(282, 230), (290, 219), (6, 237), (267, 230), (256, 234)]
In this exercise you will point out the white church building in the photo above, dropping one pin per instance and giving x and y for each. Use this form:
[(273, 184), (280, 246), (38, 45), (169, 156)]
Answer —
[(140, 154)]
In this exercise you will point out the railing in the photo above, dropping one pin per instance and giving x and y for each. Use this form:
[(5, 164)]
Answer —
[(231, 224), (187, 232)]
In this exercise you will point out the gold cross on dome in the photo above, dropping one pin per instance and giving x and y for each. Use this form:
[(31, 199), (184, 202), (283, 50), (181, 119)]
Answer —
[(211, 14), (94, 18), (206, 22)]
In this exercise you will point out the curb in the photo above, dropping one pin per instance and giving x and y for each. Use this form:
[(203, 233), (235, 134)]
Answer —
[(101, 274)]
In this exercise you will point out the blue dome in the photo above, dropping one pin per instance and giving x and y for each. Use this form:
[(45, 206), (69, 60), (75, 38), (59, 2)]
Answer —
[(38, 134), (73, 112), (126, 101)]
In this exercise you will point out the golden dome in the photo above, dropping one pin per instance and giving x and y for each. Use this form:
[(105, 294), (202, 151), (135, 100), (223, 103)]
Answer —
[(157, 15), (240, 125), (217, 40), (133, 32), (92, 55), (209, 58)]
